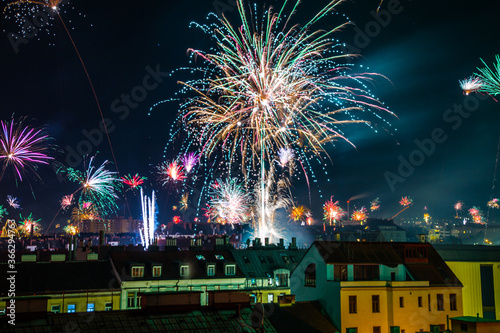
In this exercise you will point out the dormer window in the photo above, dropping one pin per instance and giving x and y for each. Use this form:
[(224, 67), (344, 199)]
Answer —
[(230, 269), (137, 271), (184, 270), (219, 257), (210, 270), (157, 271), (200, 257)]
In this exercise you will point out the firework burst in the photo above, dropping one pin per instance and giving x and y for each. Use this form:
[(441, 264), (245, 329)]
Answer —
[(72, 229), (134, 182), (170, 172), (29, 226), (189, 161), (332, 212), (13, 202), (359, 214), (476, 214), (23, 148), (493, 203), (406, 202), (285, 156), (84, 211), (375, 205), (490, 77), (470, 85), (299, 213), (66, 201), (98, 186), (229, 201)]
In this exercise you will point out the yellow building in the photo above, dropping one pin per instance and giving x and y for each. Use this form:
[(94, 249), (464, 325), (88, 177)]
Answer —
[(379, 287), (64, 287), (478, 268)]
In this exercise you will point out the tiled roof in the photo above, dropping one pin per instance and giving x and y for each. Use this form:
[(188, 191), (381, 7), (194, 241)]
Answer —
[(205, 321), (260, 262), (477, 253), (171, 261), (307, 317), (47, 277)]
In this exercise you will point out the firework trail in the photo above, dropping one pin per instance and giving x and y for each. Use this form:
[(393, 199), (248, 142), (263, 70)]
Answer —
[(229, 202), (470, 85), (332, 212), (23, 148), (98, 186), (375, 204), (134, 182), (183, 203), (148, 219), (13, 202), (406, 202)]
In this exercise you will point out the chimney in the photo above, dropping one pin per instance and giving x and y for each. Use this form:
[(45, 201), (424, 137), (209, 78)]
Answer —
[(266, 241), (101, 238), (282, 243), (257, 242), (293, 244)]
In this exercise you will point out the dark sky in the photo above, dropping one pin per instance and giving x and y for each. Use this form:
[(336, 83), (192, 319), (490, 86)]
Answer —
[(424, 47)]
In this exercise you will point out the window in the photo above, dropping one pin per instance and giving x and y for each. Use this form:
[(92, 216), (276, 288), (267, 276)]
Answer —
[(138, 271), (254, 282), (366, 272), (375, 304), (429, 301), (262, 260), (453, 302), (394, 329), (130, 300), (353, 308), (310, 276), (340, 272), (156, 271), (293, 259), (270, 298), (184, 270), (90, 307), (246, 260), (329, 272), (55, 309), (401, 302), (230, 269), (440, 302), (282, 280), (71, 308), (420, 302), (108, 306), (376, 329), (200, 257), (219, 257), (463, 327), (352, 330), (393, 276), (210, 270), (285, 259)]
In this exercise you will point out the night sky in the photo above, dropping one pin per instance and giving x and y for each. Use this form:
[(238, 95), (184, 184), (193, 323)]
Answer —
[(423, 48)]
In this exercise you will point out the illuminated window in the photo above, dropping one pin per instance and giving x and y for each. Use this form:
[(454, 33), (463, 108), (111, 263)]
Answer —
[(137, 271), (230, 269), (310, 276), (282, 280), (210, 270), (55, 309), (90, 307), (219, 257), (401, 302), (270, 298), (71, 308), (108, 306), (340, 272), (453, 302), (156, 271), (200, 257), (375, 303), (184, 270), (420, 302), (353, 307)]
